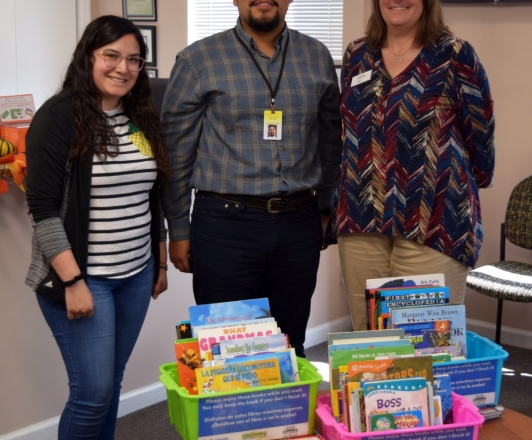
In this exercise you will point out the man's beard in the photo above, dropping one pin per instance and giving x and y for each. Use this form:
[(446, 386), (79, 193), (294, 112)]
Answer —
[(264, 24)]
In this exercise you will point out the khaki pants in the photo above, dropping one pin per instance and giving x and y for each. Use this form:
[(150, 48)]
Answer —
[(367, 256)]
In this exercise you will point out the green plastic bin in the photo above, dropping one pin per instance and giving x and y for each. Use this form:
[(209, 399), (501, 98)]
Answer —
[(183, 408)]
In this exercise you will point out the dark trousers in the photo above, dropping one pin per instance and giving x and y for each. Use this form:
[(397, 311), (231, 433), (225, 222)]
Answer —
[(238, 252)]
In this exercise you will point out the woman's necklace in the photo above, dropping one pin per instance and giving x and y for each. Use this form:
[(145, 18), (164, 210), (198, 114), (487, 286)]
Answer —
[(400, 57)]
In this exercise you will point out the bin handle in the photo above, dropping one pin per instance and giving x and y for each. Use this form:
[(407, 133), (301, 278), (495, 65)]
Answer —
[(168, 382)]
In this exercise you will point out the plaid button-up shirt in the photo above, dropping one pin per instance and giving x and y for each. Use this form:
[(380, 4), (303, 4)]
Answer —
[(213, 119)]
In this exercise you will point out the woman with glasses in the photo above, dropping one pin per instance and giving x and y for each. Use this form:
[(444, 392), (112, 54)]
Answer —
[(418, 144), (95, 160)]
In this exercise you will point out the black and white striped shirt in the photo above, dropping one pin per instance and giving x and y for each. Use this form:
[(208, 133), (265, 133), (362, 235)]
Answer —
[(120, 218)]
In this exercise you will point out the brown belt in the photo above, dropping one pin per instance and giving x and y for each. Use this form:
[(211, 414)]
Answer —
[(273, 205)]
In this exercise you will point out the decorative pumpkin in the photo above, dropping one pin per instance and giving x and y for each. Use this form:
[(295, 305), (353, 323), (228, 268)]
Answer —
[(6, 147)]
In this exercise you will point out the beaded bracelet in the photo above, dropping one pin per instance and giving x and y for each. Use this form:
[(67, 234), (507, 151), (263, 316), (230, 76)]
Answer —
[(74, 280), (163, 266)]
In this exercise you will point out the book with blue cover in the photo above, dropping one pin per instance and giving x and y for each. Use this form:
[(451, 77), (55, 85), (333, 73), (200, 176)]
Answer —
[(231, 312), (427, 334), (442, 388), (287, 363), (454, 313), (427, 296)]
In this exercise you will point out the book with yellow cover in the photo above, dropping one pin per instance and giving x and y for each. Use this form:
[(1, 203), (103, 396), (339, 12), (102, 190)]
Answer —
[(238, 376)]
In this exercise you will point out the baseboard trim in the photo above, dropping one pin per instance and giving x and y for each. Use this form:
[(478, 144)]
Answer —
[(143, 397), (509, 335)]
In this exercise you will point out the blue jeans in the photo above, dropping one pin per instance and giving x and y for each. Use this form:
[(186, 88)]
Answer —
[(95, 351), (238, 252)]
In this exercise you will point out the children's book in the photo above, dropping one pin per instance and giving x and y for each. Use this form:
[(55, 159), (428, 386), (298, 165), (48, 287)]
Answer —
[(451, 350), (398, 420), (229, 312), (361, 372), (376, 344), (442, 388), (427, 334), (188, 360), (253, 345), (287, 363), (385, 299), (364, 336), (359, 411), (438, 415), (453, 313), (238, 376), (208, 337), (399, 282), (183, 330), (341, 359), (197, 328), (399, 395)]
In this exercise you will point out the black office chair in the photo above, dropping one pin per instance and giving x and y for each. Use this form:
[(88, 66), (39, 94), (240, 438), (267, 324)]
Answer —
[(158, 87), (509, 280)]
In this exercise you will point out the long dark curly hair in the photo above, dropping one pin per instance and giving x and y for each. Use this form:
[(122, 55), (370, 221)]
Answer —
[(93, 134)]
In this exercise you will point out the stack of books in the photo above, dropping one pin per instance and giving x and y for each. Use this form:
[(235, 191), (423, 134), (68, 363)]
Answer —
[(235, 345), (377, 383), (491, 412)]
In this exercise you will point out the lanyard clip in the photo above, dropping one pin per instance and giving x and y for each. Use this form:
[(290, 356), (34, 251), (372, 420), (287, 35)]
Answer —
[(273, 105)]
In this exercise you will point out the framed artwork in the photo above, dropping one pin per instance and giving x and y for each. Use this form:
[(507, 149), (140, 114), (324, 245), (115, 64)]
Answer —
[(148, 32), (152, 73), (140, 10)]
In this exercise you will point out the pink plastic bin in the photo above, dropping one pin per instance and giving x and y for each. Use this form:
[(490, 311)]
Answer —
[(467, 422)]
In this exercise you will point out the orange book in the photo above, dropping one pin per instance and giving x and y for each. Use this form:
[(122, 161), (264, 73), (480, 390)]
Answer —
[(188, 359)]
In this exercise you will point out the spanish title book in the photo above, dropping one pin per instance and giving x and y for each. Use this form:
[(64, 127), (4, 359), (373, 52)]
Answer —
[(238, 376), (427, 334), (287, 363), (398, 395), (188, 360), (229, 312), (208, 337), (453, 313)]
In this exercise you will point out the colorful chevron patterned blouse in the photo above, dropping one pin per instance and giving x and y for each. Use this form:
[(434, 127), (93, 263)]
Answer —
[(417, 148)]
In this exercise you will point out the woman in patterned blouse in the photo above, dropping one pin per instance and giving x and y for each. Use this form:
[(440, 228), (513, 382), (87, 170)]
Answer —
[(418, 143)]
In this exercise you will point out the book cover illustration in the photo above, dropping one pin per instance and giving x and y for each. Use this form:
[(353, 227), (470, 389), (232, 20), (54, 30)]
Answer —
[(238, 376), (442, 388), (438, 415), (209, 337), (387, 369), (287, 363), (252, 345), (188, 360), (229, 312), (451, 350), (427, 296), (428, 334), (398, 420), (183, 330), (399, 395), (453, 313), (197, 328)]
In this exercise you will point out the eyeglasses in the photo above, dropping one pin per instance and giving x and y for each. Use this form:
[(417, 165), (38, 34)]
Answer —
[(112, 59)]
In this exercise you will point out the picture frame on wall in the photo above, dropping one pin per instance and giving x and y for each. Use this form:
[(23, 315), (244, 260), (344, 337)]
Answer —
[(140, 10), (152, 73), (148, 32)]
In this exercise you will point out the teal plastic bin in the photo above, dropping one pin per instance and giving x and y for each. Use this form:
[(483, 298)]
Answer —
[(479, 376)]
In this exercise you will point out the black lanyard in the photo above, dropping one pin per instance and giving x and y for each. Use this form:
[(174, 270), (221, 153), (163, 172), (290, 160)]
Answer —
[(273, 92)]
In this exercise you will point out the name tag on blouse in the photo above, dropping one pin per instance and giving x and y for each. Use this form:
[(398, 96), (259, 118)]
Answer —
[(362, 78)]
